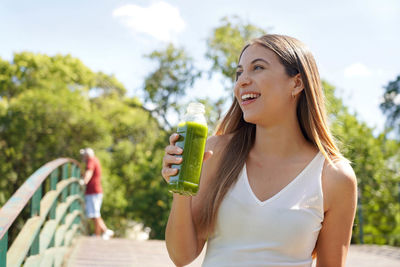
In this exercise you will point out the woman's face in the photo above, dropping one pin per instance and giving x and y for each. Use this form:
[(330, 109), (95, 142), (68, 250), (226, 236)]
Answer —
[(263, 89)]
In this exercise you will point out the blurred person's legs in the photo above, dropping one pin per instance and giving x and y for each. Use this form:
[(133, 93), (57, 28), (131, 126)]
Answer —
[(93, 205), (99, 226)]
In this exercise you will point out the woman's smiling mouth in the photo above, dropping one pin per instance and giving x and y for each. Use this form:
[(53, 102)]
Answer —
[(249, 97)]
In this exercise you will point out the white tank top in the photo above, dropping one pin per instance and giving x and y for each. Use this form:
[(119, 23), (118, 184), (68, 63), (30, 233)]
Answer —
[(280, 231)]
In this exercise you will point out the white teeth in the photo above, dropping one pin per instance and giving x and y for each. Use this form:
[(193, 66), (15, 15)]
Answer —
[(249, 96)]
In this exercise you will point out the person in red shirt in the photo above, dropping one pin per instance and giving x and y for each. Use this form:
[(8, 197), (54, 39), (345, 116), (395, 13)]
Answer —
[(94, 193)]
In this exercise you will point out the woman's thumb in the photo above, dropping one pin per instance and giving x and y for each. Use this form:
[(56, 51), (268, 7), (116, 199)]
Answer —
[(208, 154)]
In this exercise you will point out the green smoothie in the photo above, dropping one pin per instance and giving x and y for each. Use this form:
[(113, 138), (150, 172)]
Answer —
[(192, 139)]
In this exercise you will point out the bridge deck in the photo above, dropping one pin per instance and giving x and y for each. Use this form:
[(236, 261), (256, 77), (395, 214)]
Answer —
[(92, 251)]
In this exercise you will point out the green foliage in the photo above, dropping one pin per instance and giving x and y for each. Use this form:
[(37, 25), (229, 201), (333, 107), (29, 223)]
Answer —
[(377, 182), (139, 192), (30, 71), (40, 126), (226, 43), (166, 86), (391, 104), (375, 162), (46, 113), (213, 112)]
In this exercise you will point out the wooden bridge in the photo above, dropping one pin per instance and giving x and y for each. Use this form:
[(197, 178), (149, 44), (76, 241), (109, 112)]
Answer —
[(92, 251), (55, 233)]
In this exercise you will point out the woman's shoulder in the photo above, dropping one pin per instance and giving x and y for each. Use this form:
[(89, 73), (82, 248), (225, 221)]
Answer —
[(339, 180), (218, 142)]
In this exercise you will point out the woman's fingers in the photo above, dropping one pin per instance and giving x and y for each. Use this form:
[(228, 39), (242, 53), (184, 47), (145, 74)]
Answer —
[(168, 172), (173, 138), (173, 150), (168, 160), (171, 159)]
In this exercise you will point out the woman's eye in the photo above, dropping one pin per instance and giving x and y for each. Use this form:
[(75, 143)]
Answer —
[(258, 67), (238, 74)]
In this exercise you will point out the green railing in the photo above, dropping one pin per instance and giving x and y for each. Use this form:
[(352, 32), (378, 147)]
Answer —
[(55, 218)]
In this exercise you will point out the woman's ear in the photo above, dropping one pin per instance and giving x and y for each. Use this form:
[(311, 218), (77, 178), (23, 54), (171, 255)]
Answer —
[(298, 84)]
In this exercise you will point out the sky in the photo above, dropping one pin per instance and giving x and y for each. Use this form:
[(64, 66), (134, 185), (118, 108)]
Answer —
[(355, 42)]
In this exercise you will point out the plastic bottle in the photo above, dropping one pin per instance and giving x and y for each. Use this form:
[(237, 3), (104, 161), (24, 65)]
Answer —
[(192, 139)]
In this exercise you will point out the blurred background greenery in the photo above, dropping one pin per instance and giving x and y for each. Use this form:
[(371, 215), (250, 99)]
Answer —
[(51, 106)]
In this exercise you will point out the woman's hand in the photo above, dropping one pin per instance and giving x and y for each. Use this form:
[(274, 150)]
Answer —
[(171, 157)]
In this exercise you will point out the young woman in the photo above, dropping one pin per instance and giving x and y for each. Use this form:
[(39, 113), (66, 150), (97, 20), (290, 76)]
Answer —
[(277, 191)]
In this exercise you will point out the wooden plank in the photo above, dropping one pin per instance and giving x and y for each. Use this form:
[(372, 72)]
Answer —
[(47, 202), (63, 207), (70, 234), (51, 197), (34, 261), (59, 238), (59, 256), (20, 247), (47, 234), (49, 258), (61, 231)]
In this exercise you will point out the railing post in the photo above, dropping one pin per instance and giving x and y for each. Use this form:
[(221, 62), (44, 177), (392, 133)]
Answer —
[(64, 176), (53, 186), (35, 211), (360, 217), (76, 186), (35, 202), (3, 250), (76, 192), (72, 170), (64, 193)]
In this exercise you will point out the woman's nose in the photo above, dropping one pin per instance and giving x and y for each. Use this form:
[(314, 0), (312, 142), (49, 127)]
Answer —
[(243, 80)]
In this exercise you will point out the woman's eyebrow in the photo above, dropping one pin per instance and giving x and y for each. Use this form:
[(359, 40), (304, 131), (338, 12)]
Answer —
[(260, 59), (254, 61)]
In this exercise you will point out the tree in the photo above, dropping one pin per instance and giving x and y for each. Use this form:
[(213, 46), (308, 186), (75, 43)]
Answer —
[(134, 161), (46, 113), (223, 48), (167, 85), (213, 112), (39, 126), (29, 71), (391, 104), (226, 43), (375, 163)]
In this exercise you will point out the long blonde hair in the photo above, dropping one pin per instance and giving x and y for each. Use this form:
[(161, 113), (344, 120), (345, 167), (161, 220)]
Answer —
[(311, 115)]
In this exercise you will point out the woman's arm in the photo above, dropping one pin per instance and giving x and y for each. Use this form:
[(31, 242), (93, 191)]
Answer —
[(340, 195), (180, 235), (184, 244)]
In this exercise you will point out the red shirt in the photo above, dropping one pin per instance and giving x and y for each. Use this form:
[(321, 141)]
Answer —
[(94, 185)]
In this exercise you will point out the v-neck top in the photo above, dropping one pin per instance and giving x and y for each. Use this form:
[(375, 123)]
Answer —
[(280, 231)]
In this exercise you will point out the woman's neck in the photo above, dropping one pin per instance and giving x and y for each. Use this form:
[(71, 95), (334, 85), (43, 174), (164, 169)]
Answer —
[(280, 141)]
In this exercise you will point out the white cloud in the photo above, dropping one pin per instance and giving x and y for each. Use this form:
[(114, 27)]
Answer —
[(160, 20), (357, 69)]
